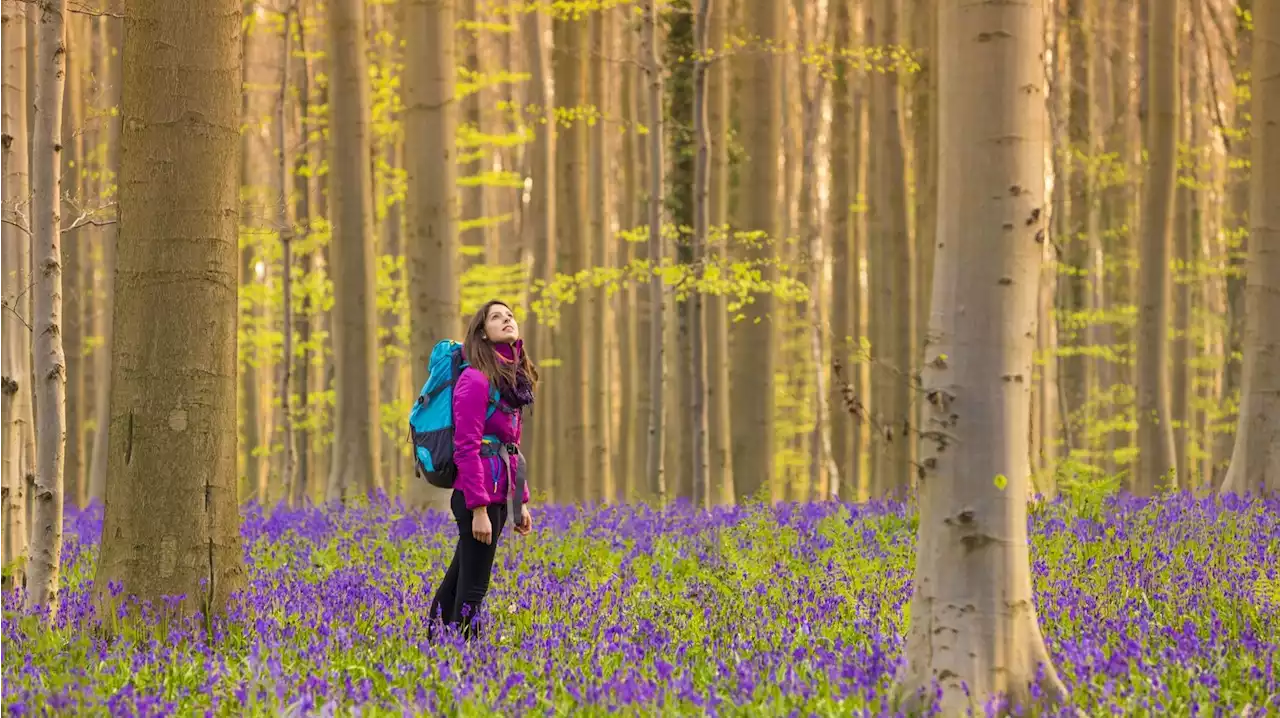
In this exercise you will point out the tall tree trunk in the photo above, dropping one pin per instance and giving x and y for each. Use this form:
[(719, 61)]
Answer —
[(924, 121), (895, 294), (720, 458), (697, 311), (110, 36), (844, 274), (171, 526), (573, 256), (17, 282), (541, 239), (308, 316), (626, 467), (1181, 270), (431, 200), (1255, 460), (74, 135), (974, 628), (601, 483), (1155, 464), (356, 425), (657, 319), (752, 348), (285, 221), (49, 361)]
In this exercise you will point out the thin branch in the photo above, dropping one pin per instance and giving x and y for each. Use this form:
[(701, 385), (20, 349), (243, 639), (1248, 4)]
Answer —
[(88, 223), (17, 226)]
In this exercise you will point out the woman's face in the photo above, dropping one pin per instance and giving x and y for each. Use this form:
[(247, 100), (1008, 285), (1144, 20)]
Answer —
[(500, 325)]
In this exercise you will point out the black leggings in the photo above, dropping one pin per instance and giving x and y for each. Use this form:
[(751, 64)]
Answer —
[(467, 580)]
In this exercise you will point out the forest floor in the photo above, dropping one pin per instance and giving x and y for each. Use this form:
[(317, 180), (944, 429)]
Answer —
[(1168, 607)]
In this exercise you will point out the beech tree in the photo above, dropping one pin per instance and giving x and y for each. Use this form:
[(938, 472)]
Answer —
[(49, 361), (171, 525), (973, 621), (1255, 460)]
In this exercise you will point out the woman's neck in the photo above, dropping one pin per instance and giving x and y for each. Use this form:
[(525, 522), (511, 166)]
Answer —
[(509, 352)]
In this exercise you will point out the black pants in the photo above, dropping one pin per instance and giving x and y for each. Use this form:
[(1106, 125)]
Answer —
[(467, 580)]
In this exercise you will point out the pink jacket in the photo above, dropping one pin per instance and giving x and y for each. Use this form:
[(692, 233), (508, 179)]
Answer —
[(482, 479)]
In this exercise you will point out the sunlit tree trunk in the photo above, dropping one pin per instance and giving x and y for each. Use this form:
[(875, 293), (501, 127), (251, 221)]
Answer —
[(431, 199), (48, 357), (573, 256), (1155, 466), (600, 158), (720, 458), (752, 346), (1255, 461), (974, 628), (74, 243), (356, 426), (657, 320)]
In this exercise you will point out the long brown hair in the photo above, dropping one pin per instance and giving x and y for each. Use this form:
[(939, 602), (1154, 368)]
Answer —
[(481, 354)]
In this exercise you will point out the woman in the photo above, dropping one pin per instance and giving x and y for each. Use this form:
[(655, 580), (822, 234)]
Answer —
[(486, 452)]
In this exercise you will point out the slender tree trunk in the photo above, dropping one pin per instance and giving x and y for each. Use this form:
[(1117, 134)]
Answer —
[(110, 35), (285, 221), (49, 360), (431, 202), (17, 280), (73, 306), (601, 482), (307, 317), (574, 255), (541, 240), (657, 348), (1155, 466), (697, 311), (752, 348), (844, 276), (924, 120), (171, 526), (1183, 265), (1255, 460), (974, 628), (356, 425), (720, 459), (626, 467)]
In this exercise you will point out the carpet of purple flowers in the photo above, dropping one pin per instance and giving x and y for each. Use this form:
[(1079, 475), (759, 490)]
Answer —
[(1170, 607)]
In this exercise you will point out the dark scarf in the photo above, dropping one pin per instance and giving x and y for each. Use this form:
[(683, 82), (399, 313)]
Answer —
[(520, 395)]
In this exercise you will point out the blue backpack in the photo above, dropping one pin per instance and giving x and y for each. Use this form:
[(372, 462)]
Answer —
[(431, 418)]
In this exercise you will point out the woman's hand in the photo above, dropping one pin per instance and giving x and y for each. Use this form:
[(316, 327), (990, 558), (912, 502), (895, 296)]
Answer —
[(480, 526), (525, 524)]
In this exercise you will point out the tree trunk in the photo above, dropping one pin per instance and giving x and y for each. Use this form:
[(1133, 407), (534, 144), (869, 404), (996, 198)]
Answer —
[(974, 628), (356, 425), (573, 256), (1182, 272), (1255, 460), (1155, 464), (844, 267), (697, 311), (74, 135), (626, 466), (110, 36), (49, 361), (308, 316), (541, 239), (752, 348), (720, 459), (601, 481), (924, 120), (17, 280), (431, 200), (657, 347), (171, 526), (285, 221)]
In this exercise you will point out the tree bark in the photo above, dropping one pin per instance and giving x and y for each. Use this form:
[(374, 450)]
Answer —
[(601, 482), (356, 425), (752, 348), (431, 199), (74, 135), (49, 360), (657, 347), (541, 239), (844, 267), (697, 310), (627, 466), (1154, 470), (974, 628), (17, 280), (573, 256), (720, 458), (171, 526), (1255, 460)]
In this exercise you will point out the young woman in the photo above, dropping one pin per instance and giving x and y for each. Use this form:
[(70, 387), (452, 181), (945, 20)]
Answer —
[(489, 488)]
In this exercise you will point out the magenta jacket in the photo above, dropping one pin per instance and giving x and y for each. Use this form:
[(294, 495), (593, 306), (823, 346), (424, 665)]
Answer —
[(482, 479)]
